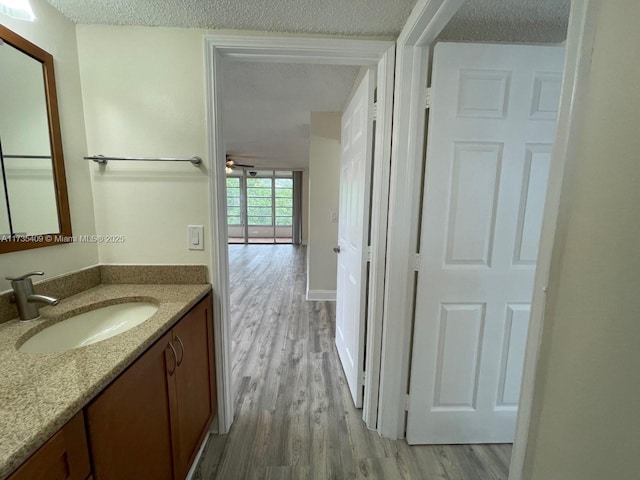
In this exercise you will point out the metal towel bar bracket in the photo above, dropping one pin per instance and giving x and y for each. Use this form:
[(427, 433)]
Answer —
[(103, 160)]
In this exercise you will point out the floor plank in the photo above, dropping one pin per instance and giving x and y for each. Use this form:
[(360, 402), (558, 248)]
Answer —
[(294, 415)]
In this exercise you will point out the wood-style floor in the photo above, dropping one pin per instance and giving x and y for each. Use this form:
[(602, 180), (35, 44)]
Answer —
[(294, 415)]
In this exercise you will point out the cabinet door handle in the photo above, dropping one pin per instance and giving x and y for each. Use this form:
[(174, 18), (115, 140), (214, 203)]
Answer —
[(175, 359), (181, 350)]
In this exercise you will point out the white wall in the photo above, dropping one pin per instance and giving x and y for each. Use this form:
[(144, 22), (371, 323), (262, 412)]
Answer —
[(57, 35), (144, 95), (324, 192), (585, 422)]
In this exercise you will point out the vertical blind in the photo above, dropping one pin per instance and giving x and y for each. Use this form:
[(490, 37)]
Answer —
[(297, 208)]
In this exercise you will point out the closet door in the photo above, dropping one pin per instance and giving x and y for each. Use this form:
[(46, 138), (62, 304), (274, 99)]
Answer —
[(491, 130)]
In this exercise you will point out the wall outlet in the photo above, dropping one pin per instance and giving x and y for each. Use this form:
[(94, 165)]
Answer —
[(195, 237)]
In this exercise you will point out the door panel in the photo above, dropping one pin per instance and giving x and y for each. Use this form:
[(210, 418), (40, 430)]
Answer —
[(476, 170), (460, 339), (130, 420), (193, 377), (491, 128), (534, 181), (65, 456), (512, 355), (353, 233)]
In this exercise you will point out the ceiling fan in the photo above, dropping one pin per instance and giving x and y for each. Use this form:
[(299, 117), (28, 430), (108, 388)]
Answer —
[(231, 163), (233, 160)]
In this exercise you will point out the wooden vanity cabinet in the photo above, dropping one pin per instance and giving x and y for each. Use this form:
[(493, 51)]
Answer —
[(151, 420), (129, 422), (65, 456), (195, 399)]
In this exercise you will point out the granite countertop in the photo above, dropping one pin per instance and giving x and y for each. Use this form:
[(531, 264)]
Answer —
[(39, 393)]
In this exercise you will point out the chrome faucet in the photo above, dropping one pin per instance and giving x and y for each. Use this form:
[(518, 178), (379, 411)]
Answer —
[(27, 301)]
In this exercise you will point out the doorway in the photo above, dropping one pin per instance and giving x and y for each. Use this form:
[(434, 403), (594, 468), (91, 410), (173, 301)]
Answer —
[(220, 51), (273, 136), (415, 52)]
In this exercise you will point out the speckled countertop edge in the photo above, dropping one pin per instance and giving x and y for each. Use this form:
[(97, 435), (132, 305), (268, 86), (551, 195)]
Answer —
[(39, 393)]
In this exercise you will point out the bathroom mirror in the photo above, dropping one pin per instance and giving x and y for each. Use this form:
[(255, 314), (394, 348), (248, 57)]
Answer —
[(34, 208)]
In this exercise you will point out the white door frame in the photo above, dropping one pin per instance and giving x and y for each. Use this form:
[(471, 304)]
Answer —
[(379, 54), (426, 21)]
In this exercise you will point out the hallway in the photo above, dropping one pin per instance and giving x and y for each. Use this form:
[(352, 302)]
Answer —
[(294, 417)]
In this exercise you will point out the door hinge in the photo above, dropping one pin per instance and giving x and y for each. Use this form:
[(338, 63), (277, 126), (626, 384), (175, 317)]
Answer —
[(362, 378), (416, 264), (369, 253), (407, 401), (375, 110), (428, 101)]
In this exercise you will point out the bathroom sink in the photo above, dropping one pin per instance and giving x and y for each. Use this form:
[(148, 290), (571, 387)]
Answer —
[(89, 327)]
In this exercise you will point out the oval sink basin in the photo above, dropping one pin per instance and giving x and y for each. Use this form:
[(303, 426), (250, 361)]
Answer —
[(89, 327)]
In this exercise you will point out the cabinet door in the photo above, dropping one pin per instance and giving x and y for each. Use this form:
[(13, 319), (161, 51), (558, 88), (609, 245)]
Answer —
[(65, 456), (129, 423), (193, 339)]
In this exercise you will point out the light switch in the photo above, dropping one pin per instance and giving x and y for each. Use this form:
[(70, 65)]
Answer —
[(195, 237), (334, 217)]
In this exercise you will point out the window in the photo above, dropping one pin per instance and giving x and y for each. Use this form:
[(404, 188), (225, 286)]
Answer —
[(259, 202), (284, 201), (233, 202), (264, 201)]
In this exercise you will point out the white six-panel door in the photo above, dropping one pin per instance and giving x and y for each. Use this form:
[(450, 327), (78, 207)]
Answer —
[(491, 128), (353, 232)]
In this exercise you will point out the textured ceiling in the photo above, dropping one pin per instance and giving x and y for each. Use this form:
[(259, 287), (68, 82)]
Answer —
[(338, 17), (267, 108), (519, 21)]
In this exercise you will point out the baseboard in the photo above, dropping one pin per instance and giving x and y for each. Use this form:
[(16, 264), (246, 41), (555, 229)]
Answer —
[(321, 295), (196, 460)]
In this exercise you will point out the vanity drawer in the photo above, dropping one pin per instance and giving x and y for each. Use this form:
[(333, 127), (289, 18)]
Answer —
[(65, 456)]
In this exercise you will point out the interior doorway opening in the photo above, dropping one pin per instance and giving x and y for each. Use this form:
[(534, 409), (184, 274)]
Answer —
[(492, 112), (224, 52), (416, 49)]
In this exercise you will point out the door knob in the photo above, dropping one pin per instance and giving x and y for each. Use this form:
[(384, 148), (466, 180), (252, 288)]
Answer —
[(336, 249)]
